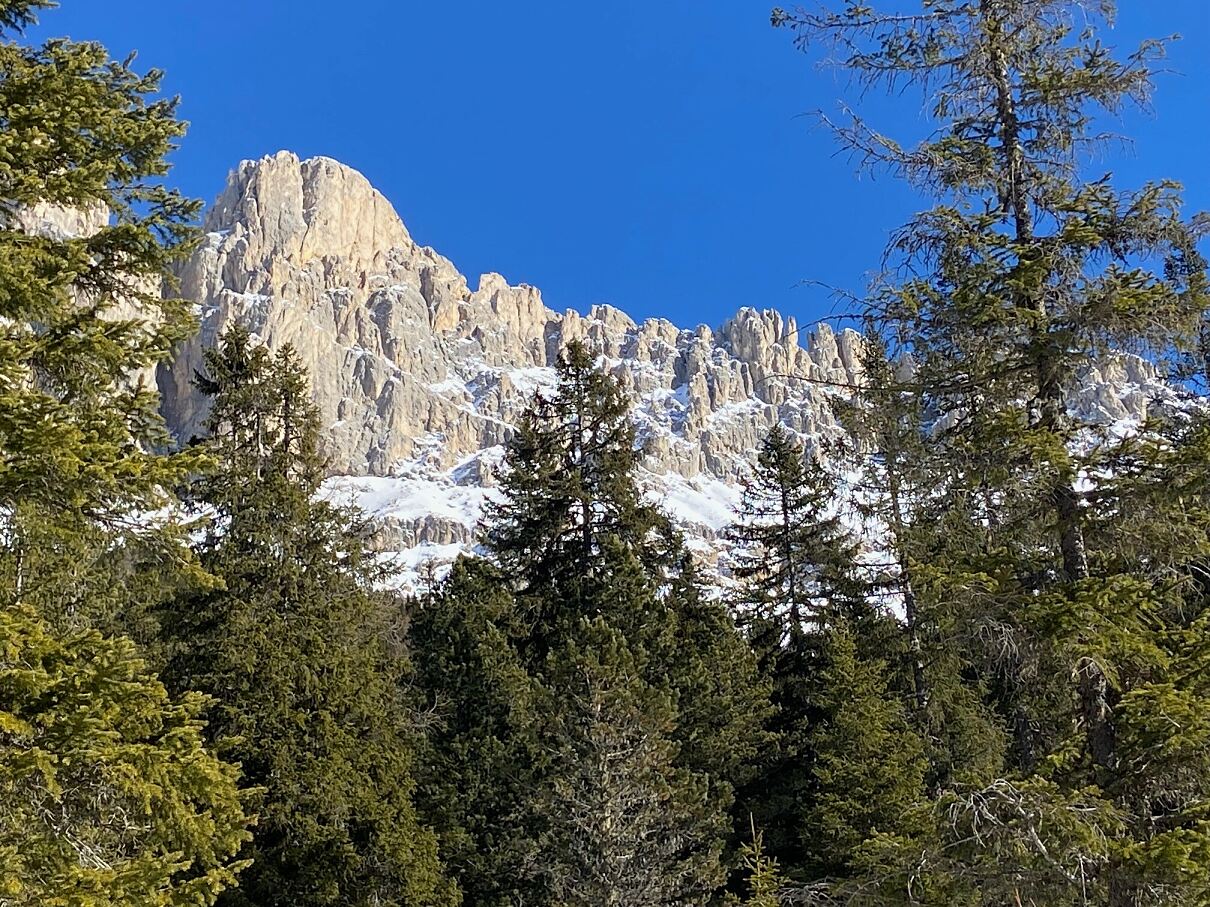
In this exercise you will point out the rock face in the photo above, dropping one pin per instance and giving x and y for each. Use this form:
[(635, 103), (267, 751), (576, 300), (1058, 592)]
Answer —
[(417, 374), (420, 377)]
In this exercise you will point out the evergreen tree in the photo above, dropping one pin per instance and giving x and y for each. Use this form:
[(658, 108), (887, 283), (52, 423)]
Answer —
[(577, 547), (85, 140), (80, 314), (627, 826), (484, 758), (577, 539), (296, 650), (888, 448), (1026, 276), (723, 700), (793, 555), (867, 765), (568, 484), (764, 880), (800, 575), (108, 795)]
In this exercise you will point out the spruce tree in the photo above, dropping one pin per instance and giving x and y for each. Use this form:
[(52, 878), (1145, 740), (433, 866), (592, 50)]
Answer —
[(87, 234), (762, 875), (568, 483), (626, 824), (867, 765), (484, 759), (296, 650), (795, 560), (578, 540), (107, 792), (800, 575), (1024, 277), (577, 547)]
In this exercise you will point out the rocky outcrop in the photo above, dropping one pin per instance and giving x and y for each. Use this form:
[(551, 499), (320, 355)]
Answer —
[(405, 356), (419, 377)]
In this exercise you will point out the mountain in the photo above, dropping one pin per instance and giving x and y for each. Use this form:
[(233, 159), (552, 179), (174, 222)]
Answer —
[(419, 378)]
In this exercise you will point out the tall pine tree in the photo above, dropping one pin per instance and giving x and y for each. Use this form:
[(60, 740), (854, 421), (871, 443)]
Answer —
[(1027, 276), (296, 650)]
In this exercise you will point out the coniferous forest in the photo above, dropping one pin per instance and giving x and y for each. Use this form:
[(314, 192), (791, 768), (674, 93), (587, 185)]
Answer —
[(209, 693)]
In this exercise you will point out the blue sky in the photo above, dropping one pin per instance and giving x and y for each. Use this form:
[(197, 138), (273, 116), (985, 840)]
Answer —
[(653, 154)]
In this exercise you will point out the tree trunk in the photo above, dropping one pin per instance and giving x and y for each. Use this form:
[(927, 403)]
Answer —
[(1092, 685)]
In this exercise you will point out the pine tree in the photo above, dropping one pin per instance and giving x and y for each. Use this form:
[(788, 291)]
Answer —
[(627, 826), (484, 758), (296, 649), (108, 794), (1026, 275)]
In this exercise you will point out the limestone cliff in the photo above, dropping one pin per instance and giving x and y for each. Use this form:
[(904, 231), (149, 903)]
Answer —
[(419, 377), (416, 371)]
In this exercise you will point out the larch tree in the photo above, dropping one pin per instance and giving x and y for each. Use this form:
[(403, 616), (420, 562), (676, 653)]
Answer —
[(1030, 272)]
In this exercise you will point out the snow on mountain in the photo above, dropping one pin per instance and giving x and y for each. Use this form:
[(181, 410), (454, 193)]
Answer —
[(420, 378)]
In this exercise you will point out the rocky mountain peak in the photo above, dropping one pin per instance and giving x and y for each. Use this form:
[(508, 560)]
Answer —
[(419, 378)]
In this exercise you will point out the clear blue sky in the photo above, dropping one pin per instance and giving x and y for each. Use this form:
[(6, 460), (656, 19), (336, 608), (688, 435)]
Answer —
[(652, 154)]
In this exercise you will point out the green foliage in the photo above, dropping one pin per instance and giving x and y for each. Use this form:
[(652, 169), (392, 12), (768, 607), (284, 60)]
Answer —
[(626, 825), (763, 878), (802, 578), (581, 560), (794, 557), (484, 756), (108, 795), (577, 541), (569, 483), (867, 766), (296, 649), (1054, 567), (107, 792), (16, 14), (81, 314)]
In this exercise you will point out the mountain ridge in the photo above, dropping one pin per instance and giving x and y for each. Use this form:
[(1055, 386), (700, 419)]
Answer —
[(419, 378)]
